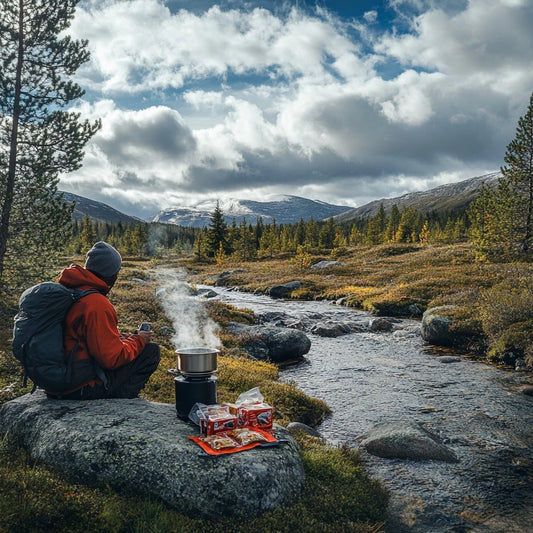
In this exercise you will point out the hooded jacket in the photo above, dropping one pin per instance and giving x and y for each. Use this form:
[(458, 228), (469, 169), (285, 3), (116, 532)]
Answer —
[(93, 323)]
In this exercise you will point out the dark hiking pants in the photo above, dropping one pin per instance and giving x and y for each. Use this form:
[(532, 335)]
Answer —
[(124, 382)]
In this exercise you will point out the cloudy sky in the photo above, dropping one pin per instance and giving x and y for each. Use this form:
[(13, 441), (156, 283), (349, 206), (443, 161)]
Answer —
[(340, 101)]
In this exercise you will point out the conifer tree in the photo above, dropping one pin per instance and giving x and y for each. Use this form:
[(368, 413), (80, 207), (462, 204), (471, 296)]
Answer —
[(39, 140), (311, 233), (393, 224), (502, 216), (518, 171), (87, 234), (327, 234), (217, 233), (409, 226), (245, 246)]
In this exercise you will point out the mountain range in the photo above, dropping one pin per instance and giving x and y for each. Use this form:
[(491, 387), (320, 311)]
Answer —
[(445, 198), (97, 211), (288, 209), (282, 209)]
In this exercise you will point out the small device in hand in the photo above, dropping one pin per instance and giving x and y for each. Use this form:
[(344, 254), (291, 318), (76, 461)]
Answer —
[(145, 326)]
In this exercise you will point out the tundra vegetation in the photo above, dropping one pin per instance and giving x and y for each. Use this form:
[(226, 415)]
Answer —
[(479, 261), (38, 498)]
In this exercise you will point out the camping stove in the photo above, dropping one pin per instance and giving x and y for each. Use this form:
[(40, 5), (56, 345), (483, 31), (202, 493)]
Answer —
[(196, 382)]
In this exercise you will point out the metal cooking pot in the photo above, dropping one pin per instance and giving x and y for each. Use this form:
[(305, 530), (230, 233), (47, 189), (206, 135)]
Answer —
[(197, 361)]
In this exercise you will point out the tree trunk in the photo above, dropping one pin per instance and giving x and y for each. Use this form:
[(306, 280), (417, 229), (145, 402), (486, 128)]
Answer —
[(11, 173)]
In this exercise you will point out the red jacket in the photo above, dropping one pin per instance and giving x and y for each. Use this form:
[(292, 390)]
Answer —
[(93, 322)]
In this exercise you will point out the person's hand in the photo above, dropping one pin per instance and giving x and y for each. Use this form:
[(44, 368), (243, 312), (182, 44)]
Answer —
[(146, 335)]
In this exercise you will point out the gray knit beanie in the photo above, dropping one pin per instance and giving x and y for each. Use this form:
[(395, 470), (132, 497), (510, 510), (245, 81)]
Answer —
[(103, 260)]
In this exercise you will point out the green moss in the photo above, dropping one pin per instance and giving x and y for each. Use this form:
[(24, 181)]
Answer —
[(293, 405), (516, 342), (223, 313)]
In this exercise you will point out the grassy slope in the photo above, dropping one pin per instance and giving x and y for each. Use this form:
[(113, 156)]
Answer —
[(391, 279)]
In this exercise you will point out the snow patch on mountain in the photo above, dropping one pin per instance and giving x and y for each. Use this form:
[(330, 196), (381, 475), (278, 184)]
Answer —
[(284, 209)]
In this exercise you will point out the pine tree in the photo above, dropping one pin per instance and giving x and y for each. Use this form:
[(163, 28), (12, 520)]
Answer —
[(491, 221), (502, 216), (217, 233), (38, 139), (245, 247), (311, 233), (327, 234), (409, 226), (87, 234), (518, 171), (393, 224)]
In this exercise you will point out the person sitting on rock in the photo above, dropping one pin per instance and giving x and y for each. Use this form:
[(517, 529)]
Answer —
[(123, 364)]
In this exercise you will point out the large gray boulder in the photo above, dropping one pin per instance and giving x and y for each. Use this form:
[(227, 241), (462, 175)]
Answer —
[(436, 326), (142, 447), (284, 290), (405, 440), (271, 343)]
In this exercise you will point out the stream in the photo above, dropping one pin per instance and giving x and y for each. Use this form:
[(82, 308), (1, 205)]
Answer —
[(475, 409)]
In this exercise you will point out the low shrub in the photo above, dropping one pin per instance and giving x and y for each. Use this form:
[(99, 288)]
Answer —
[(513, 343), (506, 315)]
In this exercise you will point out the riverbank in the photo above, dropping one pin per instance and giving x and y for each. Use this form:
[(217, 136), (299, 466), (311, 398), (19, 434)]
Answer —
[(38, 498), (490, 304), (373, 379)]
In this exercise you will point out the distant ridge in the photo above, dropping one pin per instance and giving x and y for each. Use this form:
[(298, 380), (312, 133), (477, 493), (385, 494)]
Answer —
[(290, 209), (97, 211), (284, 209), (450, 197)]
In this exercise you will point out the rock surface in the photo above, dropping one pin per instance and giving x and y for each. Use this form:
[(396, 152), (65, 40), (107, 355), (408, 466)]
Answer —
[(325, 264), (380, 325), (142, 447), (331, 329), (293, 427), (527, 390), (284, 290), (435, 327), (271, 343), (405, 440)]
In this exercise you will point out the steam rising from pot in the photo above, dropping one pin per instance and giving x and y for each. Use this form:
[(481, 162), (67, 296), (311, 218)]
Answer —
[(192, 325)]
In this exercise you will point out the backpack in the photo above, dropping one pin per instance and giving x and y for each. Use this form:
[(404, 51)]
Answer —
[(38, 338)]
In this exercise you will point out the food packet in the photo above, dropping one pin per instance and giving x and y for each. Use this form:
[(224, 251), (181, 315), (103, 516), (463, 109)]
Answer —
[(252, 411), (220, 442), (213, 419), (249, 397), (246, 436)]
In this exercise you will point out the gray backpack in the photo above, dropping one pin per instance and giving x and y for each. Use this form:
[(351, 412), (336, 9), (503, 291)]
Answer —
[(38, 338)]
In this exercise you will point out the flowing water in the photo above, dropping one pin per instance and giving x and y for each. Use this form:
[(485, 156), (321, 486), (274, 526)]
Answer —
[(476, 410)]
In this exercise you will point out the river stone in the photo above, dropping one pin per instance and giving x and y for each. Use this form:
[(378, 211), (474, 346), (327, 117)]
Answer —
[(138, 446), (448, 359), (405, 440), (284, 290), (293, 427), (207, 293), (435, 327), (380, 325), (330, 329), (271, 343)]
